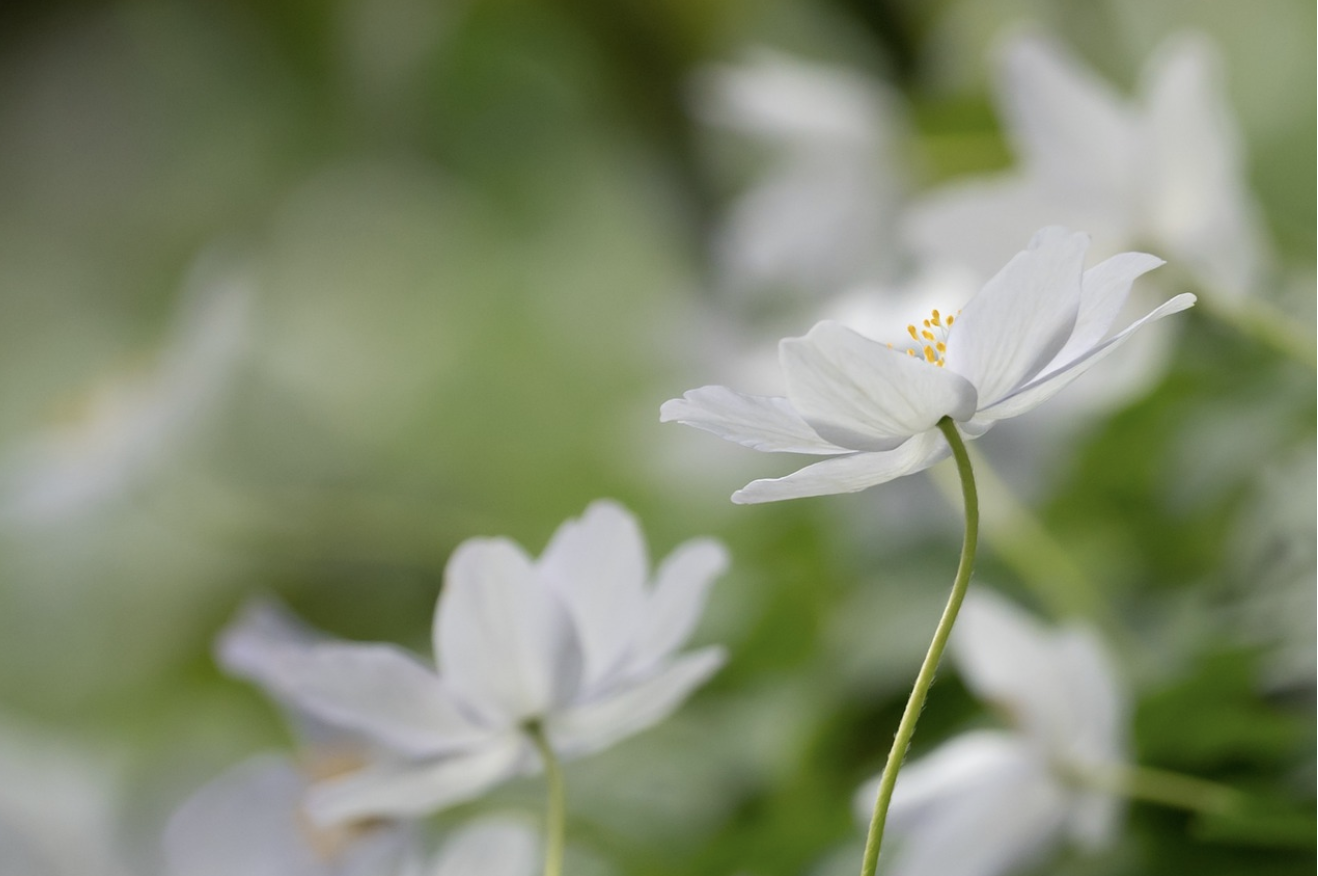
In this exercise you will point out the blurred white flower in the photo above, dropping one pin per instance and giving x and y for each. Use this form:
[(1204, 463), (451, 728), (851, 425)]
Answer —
[(58, 807), (250, 821), (820, 214), (490, 847), (577, 643), (1033, 328), (990, 801), (132, 422), (1164, 170)]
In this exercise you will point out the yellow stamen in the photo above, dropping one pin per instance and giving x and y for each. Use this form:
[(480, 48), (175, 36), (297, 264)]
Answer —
[(930, 355), (915, 335), (941, 347), (927, 335)]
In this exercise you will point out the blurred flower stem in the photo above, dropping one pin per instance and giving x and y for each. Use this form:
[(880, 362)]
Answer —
[(1266, 325), (1164, 787), (1024, 543), (914, 705), (556, 805)]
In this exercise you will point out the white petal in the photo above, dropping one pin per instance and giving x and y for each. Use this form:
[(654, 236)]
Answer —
[(1006, 657), (1073, 132), (979, 223), (1104, 290), (677, 600), (249, 822), (1200, 206), (378, 690), (405, 789), (598, 566), (1043, 388), (1096, 734), (864, 395), (596, 725), (243, 822), (964, 763), (848, 474), (1002, 817), (1021, 318), (492, 847), (504, 641), (755, 421)]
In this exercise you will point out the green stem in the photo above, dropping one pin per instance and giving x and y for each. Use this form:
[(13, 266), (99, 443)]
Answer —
[(906, 729), (556, 806), (1164, 787), (1261, 321)]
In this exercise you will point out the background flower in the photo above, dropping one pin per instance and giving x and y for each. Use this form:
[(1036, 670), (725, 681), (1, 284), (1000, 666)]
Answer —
[(484, 240), (578, 642)]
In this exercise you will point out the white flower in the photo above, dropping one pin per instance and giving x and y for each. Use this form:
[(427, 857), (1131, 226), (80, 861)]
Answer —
[(1164, 169), (59, 807), (990, 801), (490, 847), (576, 642), (1033, 328), (250, 821), (131, 422)]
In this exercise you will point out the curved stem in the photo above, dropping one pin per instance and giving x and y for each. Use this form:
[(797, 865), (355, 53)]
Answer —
[(556, 805), (906, 729)]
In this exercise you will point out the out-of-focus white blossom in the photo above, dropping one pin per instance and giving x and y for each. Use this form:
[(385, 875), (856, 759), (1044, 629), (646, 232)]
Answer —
[(1162, 170), (990, 801), (1038, 324), (578, 643), (251, 821), (821, 215), (58, 808), (131, 422)]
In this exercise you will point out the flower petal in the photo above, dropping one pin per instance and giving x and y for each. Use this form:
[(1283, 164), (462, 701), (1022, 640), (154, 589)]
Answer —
[(413, 788), (848, 474), (863, 395), (1103, 292), (598, 565), (379, 690), (999, 801), (1043, 388), (491, 847), (1021, 318), (249, 821), (1007, 657), (592, 726), (1201, 205), (677, 600), (504, 641), (1071, 129), (755, 421)]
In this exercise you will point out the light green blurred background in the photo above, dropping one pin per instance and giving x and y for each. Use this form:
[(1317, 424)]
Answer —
[(469, 249)]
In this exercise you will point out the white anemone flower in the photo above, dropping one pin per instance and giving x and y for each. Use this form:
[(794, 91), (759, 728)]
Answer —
[(249, 821), (130, 423), (577, 644), (1163, 169), (1035, 326), (990, 801)]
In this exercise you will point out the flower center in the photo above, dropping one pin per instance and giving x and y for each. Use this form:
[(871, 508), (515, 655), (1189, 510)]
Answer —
[(930, 338)]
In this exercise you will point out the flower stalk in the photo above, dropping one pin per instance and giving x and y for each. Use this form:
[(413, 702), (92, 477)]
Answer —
[(556, 801), (923, 681)]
